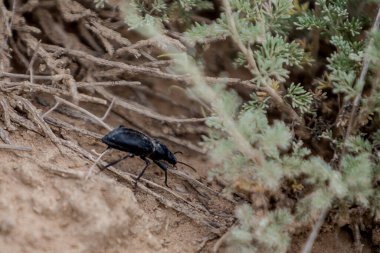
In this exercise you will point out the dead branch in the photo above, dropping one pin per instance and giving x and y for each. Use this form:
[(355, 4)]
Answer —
[(19, 55), (160, 42), (26, 123), (4, 136), (193, 181), (27, 86), (62, 124), (153, 72), (31, 63), (143, 110), (73, 11), (32, 43), (363, 74), (36, 77), (97, 119), (182, 142), (130, 69), (314, 233), (132, 84), (6, 117), (358, 246), (37, 119), (14, 147), (89, 37), (222, 239)]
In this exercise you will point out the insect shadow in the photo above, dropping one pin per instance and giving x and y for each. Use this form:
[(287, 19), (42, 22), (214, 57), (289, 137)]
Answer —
[(139, 144)]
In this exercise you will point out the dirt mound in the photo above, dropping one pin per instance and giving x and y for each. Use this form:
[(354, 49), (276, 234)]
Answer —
[(43, 212)]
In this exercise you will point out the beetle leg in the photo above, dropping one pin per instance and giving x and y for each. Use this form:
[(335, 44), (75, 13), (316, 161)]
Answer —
[(164, 167), (147, 163), (115, 162), (119, 160)]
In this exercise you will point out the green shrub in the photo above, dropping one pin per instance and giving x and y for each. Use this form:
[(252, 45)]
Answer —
[(270, 151)]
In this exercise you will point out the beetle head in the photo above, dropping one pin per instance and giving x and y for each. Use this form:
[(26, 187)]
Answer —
[(169, 156), (163, 153)]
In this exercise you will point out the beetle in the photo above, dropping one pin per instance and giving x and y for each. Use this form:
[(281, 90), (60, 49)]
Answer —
[(139, 144)]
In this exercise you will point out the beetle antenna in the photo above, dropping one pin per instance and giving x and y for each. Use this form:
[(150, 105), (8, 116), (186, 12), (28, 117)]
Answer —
[(178, 152), (187, 165)]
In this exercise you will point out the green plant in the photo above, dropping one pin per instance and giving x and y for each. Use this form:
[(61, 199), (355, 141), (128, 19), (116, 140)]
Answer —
[(263, 154)]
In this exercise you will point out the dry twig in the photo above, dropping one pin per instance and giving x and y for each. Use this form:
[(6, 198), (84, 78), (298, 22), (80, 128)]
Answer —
[(143, 110), (63, 101), (14, 147), (314, 233), (31, 63), (363, 74)]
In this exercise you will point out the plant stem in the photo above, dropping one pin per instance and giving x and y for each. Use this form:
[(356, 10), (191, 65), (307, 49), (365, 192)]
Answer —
[(252, 63), (363, 74)]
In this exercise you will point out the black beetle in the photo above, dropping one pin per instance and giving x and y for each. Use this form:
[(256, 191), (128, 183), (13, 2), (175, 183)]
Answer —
[(139, 144)]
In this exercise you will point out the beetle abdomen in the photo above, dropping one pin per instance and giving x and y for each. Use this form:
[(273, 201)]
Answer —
[(129, 140)]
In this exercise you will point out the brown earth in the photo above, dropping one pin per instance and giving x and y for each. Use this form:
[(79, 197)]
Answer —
[(47, 206)]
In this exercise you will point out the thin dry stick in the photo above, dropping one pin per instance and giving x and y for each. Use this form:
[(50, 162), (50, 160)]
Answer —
[(143, 110), (4, 136), (32, 87), (165, 189), (89, 173), (357, 242), (15, 48), (69, 127), (88, 37), (36, 118), (36, 77), (144, 70), (363, 74), (113, 35), (30, 66), (13, 14), (317, 226), (194, 181), (221, 239), (132, 84), (50, 110), (97, 119), (108, 110), (181, 142), (131, 69), (32, 43), (10, 23), (252, 63), (192, 213), (6, 117), (22, 121), (205, 241), (120, 112), (14, 147)]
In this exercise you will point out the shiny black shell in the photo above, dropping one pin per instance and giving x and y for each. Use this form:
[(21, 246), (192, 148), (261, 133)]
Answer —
[(129, 140)]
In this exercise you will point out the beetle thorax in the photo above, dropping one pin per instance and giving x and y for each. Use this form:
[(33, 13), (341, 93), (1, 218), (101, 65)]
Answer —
[(161, 152)]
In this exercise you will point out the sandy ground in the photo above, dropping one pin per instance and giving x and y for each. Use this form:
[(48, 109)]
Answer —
[(46, 207)]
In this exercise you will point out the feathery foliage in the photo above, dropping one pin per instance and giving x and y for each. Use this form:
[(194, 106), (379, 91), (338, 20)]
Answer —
[(259, 153)]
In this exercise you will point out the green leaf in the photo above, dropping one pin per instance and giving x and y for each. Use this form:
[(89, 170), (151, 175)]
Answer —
[(301, 99)]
